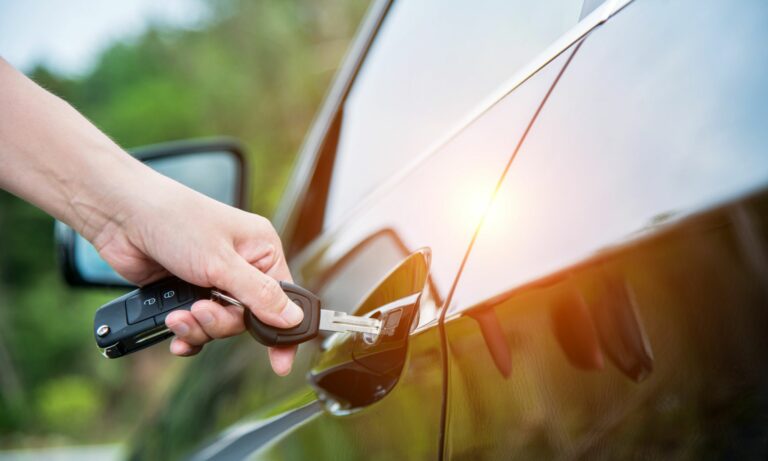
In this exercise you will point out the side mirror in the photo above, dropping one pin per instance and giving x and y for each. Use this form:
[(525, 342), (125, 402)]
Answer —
[(214, 167)]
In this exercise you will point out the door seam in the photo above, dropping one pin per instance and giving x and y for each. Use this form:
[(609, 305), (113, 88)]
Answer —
[(445, 363)]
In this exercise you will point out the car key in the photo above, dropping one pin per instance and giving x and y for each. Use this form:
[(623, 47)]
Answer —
[(136, 320)]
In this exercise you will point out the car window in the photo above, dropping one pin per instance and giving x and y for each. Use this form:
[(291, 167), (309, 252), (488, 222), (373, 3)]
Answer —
[(433, 62), (644, 128)]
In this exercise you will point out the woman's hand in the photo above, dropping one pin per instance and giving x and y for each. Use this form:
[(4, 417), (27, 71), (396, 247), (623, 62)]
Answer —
[(176, 230), (144, 224)]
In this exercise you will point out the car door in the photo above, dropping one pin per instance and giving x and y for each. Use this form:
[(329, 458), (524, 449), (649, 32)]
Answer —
[(613, 305), (420, 173), (387, 196)]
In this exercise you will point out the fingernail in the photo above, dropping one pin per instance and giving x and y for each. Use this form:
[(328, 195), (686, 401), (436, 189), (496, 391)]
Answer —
[(179, 329), (292, 314), (204, 317)]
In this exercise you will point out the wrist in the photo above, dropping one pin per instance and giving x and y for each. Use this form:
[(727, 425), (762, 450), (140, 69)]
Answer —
[(105, 194)]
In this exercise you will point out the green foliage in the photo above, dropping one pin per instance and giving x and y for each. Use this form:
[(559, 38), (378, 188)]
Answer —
[(255, 71), (69, 404)]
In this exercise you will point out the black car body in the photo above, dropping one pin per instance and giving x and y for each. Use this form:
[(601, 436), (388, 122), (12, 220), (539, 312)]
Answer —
[(575, 190)]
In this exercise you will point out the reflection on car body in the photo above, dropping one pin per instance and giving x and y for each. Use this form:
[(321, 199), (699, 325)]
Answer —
[(606, 300)]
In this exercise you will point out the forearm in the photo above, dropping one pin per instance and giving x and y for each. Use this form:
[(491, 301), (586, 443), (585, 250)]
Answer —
[(53, 157)]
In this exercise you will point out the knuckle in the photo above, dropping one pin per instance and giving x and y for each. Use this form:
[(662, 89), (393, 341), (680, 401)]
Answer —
[(269, 252), (215, 272), (268, 257), (263, 222), (267, 228)]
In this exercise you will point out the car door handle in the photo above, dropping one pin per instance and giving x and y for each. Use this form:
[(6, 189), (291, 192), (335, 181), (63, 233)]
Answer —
[(373, 362)]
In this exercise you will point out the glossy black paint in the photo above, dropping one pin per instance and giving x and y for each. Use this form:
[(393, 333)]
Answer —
[(434, 205), (654, 350), (613, 302), (624, 258)]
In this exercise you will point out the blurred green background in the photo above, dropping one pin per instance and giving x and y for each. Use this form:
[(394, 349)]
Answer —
[(255, 70)]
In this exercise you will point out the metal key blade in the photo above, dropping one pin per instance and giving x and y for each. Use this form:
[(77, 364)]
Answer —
[(343, 322), (329, 320)]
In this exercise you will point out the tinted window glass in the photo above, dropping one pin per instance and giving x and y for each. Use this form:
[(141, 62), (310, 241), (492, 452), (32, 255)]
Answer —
[(432, 63), (652, 121), (436, 205)]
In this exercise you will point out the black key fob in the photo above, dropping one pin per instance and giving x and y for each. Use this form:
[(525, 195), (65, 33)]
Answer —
[(137, 320)]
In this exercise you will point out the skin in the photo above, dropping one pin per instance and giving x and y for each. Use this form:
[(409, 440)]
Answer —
[(140, 221)]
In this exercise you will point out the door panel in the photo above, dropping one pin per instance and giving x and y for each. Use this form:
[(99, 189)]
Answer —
[(614, 303), (436, 205), (377, 392), (653, 350)]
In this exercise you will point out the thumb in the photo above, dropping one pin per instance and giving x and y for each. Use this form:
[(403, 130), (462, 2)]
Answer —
[(259, 292)]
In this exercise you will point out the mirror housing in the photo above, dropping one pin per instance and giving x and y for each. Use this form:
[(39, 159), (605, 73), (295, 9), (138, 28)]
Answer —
[(214, 167)]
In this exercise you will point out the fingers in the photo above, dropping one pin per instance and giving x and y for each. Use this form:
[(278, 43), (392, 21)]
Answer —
[(260, 292), (183, 349), (209, 320), (248, 270), (218, 321), (281, 359), (206, 321), (184, 325)]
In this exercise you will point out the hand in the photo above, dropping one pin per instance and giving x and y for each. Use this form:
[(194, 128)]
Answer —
[(143, 224), (179, 231)]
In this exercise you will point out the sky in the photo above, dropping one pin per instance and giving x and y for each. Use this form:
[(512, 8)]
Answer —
[(68, 35)]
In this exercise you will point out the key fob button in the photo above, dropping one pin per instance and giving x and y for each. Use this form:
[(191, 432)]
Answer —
[(173, 295), (133, 309), (141, 306), (169, 297)]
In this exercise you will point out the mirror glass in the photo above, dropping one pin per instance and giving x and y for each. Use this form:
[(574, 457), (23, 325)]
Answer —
[(215, 174)]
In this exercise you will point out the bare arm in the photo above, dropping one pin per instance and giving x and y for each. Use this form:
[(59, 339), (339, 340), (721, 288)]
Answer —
[(51, 156)]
